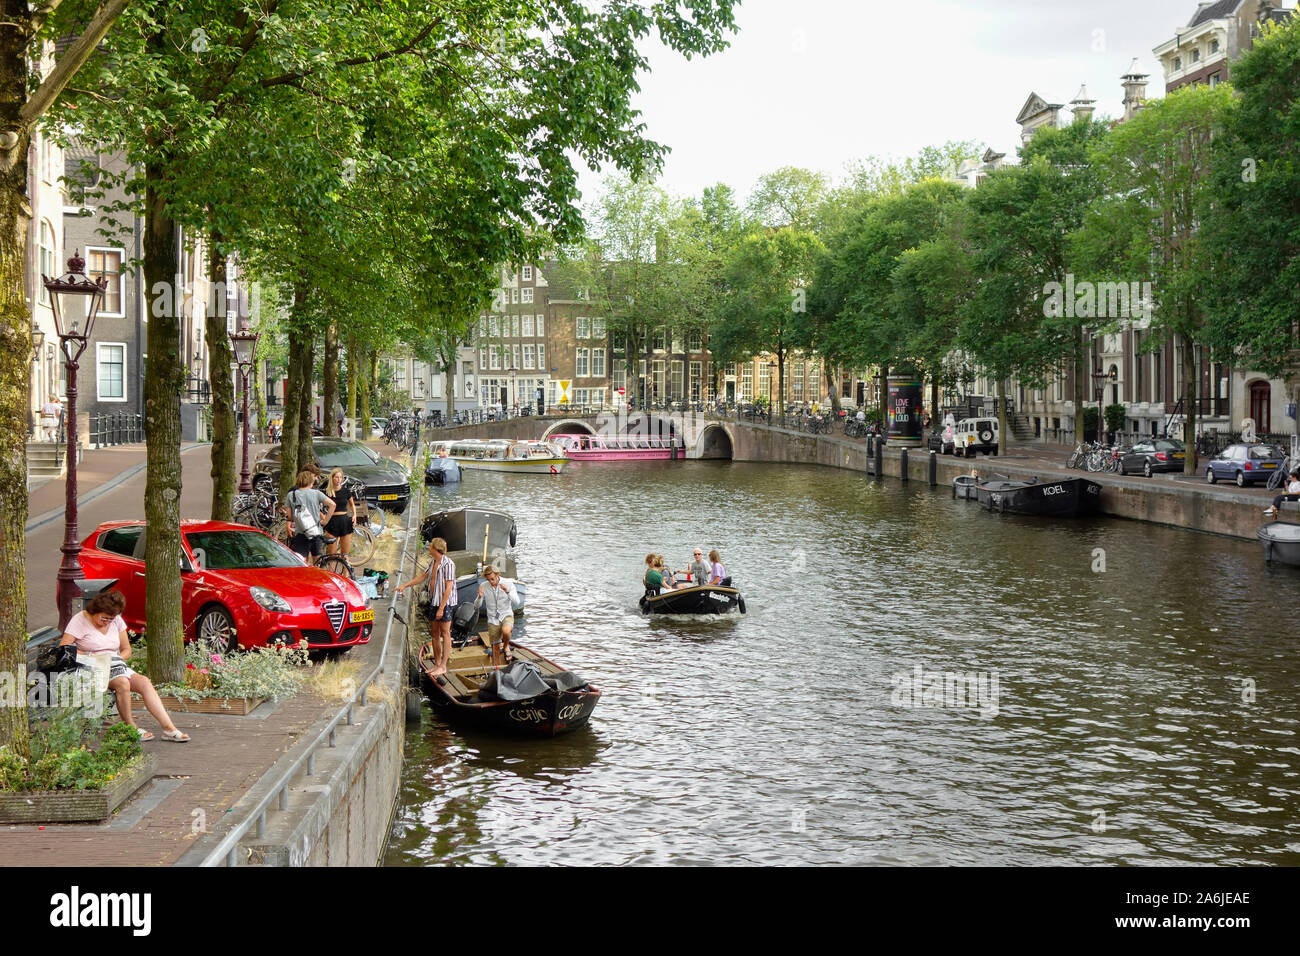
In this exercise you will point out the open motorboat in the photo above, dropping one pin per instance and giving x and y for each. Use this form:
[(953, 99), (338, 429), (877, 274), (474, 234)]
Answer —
[(1058, 498), (1281, 541), (720, 598), (531, 697)]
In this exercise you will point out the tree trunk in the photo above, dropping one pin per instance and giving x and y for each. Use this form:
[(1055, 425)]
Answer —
[(225, 434), (289, 428), (369, 382), (163, 381), (833, 393), (306, 455), (353, 353), (1004, 436), (1080, 367), (330, 384), (258, 376), (15, 364), (884, 398), (1191, 390)]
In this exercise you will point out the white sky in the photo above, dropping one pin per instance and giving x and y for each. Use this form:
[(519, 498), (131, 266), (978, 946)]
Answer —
[(818, 83)]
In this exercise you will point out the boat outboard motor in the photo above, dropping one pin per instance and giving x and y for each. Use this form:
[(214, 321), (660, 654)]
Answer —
[(464, 622)]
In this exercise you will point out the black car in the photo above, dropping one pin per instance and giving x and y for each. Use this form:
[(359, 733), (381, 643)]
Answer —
[(1153, 455), (387, 482)]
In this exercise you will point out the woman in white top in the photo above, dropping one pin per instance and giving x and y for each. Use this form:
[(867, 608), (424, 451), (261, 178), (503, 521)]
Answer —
[(100, 629)]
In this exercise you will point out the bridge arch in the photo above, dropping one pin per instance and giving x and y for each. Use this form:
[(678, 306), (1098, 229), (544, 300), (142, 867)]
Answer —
[(569, 426), (651, 425), (715, 442)]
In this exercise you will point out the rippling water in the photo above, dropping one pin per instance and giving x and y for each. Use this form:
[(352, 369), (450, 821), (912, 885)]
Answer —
[(1143, 714)]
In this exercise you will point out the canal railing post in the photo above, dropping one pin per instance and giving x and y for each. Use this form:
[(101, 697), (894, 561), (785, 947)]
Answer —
[(902, 464), (880, 457), (934, 469)]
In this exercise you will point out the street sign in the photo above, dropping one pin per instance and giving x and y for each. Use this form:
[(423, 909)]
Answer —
[(621, 391), (564, 391)]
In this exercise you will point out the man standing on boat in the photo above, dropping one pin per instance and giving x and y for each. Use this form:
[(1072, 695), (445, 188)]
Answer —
[(442, 602), (497, 597)]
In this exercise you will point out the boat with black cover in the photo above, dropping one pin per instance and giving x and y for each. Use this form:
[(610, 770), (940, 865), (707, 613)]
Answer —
[(531, 696), (1058, 498), (1281, 541), (702, 599), (471, 529)]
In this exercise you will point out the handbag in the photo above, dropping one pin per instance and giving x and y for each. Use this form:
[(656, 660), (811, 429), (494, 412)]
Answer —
[(55, 658)]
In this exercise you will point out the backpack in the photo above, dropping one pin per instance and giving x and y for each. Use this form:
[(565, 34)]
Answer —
[(305, 520)]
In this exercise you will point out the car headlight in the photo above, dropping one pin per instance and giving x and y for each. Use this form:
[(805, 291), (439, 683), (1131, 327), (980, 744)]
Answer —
[(270, 600)]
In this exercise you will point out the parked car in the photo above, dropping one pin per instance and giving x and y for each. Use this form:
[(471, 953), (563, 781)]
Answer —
[(976, 436), (942, 439), (387, 482), (1153, 455), (1245, 464), (239, 587)]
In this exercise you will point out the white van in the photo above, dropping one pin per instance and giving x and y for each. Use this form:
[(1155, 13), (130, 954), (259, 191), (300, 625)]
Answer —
[(976, 436)]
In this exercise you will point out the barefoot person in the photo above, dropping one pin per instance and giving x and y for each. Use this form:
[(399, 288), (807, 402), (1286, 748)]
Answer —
[(497, 597), (100, 629), (441, 579)]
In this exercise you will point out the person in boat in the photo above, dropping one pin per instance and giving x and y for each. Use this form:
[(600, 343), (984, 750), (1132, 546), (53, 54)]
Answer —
[(654, 579), (649, 567), (441, 578), (716, 571), (669, 582), (698, 569), (1292, 494), (496, 596)]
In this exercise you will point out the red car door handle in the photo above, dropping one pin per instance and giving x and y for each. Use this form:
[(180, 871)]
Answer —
[(139, 574)]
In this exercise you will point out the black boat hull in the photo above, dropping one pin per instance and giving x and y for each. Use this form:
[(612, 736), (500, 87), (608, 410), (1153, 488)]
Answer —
[(464, 529), (546, 715), (698, 600), (1067, 498)]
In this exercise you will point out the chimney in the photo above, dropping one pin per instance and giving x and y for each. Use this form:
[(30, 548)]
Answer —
[(1082, 106), (1135, 89)]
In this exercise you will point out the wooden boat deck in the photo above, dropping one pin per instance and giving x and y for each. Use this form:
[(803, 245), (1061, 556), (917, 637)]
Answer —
[(470, 665)]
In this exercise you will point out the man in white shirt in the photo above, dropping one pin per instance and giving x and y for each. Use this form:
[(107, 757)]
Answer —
[(497, 597)]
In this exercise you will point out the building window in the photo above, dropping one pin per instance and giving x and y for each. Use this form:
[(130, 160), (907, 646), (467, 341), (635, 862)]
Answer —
[(528, 327), (496, 358), (746, 382), (514, 296), (1215, 79), (541, 326), (494, 327), (676, 385), (110, 360), (597, 328), (482, 359), (47, 258), (526, 295), (527, 275), (597, 363), (1178, 63), (514, 326), (695, 341), (1214, 46), (530, 356), (697, 376), (107, 264), (583, 326), (580, 366), (1196, 56), (399, 375)]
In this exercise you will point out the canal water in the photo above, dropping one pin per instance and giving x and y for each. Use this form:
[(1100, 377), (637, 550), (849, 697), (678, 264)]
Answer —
[(917, 681)]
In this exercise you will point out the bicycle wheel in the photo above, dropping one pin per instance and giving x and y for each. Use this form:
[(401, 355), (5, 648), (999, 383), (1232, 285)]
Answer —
[(363, 544), (1278, 478), (374, 519), (1075, 460), (1093, 461), (335, 563)]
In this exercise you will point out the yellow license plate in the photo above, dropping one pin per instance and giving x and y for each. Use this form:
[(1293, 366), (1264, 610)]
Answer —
[(1269, 464), (360, 617), (388, 497)]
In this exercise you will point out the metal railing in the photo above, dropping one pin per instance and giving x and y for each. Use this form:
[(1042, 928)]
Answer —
[(226, 852), (116, 428)]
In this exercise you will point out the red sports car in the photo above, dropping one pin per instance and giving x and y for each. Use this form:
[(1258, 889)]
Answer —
[(238, 587)]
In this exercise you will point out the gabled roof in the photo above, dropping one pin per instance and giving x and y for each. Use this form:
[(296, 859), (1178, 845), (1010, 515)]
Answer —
[(1215, 11), (1035, 106)]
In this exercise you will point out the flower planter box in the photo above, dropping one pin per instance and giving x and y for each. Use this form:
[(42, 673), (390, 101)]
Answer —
[(236, 706), (68, 806)]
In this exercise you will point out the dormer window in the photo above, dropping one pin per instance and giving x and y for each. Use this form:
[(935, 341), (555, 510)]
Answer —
[(1196, 56), (1178, 63), (1214, 46)]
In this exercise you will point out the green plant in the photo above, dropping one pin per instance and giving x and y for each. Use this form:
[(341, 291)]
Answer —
[(1116, 415), (63, 757), (272, 672), (1089, 424)]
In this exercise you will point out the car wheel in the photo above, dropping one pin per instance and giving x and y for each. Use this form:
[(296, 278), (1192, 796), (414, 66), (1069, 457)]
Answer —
[(1146, 469), (216, 628), (1210, 475), (1241, 480)]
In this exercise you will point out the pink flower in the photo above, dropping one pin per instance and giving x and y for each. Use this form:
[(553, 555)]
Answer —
[(203, 670), (216, 658)]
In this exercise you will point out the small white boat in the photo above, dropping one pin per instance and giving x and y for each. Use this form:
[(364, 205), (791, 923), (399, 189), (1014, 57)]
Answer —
[(501, 454)]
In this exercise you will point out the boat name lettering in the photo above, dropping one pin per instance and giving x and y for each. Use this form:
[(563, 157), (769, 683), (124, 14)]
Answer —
[(1054, 490), (529, 714), (573, 710)]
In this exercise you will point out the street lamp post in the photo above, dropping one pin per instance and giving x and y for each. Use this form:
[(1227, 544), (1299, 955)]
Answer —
[(75, 300), (38, 344), (1100, 379), (244, 343)]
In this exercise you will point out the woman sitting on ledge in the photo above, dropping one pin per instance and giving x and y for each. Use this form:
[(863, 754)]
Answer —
[(100, 629)]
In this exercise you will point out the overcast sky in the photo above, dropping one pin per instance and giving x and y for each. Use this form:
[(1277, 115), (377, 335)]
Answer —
[(818, 83)]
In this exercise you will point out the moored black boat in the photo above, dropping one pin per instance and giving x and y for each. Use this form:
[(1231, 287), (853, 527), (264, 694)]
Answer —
[(533, 697), (704, 599), (1281, 541), (1062, 498), (465, 529)]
